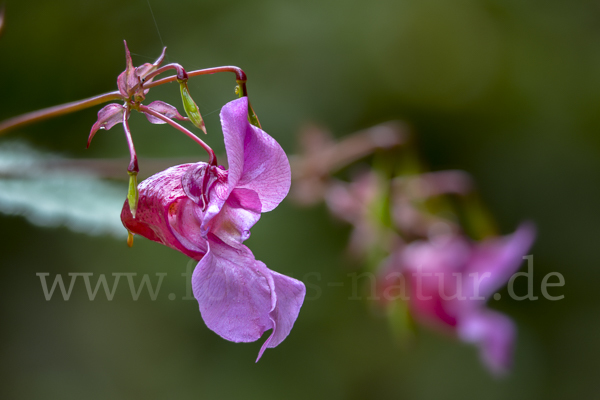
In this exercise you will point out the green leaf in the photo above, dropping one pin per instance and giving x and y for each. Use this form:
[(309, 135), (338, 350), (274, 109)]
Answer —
[(47, 192)]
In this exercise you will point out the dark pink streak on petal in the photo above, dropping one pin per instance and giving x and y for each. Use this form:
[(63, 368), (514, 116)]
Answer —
[(422, 260)]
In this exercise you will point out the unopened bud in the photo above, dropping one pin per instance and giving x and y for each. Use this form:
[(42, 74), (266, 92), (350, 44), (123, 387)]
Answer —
[(190, 107), (132, 193)]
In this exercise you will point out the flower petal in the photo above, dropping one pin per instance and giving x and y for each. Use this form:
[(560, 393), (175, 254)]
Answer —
[(256, 161), (239, 213), (166, 215), (108, 117), (290, 296), (128, 78), (165, 109), (501, 257), (233, 294), (201, 188), (144, 70), (494, 333), (240, 298)]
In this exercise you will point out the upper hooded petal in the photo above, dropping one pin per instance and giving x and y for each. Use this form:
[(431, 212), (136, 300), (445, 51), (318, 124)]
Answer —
[(165, 214), (240, 298), (256, 161)]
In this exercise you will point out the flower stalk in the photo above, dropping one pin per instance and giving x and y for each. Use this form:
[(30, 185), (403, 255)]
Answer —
[(67, 108), (212, 158), (133, 85)]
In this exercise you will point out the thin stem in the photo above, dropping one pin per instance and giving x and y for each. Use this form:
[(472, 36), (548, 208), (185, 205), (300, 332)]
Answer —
[(212, 158), (239, 75), (55, 111), (133, 163), (181, 74)]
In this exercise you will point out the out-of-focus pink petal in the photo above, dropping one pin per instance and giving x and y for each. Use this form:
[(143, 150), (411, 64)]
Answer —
[(240, 298), (256, 161), (108, 116), (166, 215), (500, 257), (165, 109), (494, 333), (444, 254), (433, 266)]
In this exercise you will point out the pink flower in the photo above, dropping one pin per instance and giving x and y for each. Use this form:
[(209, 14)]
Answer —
[(449, 280), (206, 212)]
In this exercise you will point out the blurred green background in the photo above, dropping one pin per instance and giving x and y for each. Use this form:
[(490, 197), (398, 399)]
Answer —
[(506, 90)]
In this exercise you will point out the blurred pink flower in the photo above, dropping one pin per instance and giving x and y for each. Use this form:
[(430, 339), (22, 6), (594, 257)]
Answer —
[(354, 203), (206, 212), (449, 279)]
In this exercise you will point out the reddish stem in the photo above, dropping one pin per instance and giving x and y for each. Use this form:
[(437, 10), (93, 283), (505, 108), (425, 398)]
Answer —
[(55, 111), (133, 163), (40, 115), (181, 74), (212, 158), (239, 75)]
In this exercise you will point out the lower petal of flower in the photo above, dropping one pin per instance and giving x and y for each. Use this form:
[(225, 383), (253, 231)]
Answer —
[(240, 298), (494, 333), (290, 294)]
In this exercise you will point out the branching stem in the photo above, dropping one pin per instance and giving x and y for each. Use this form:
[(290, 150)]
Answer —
[(212, 158), (55, 111)]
